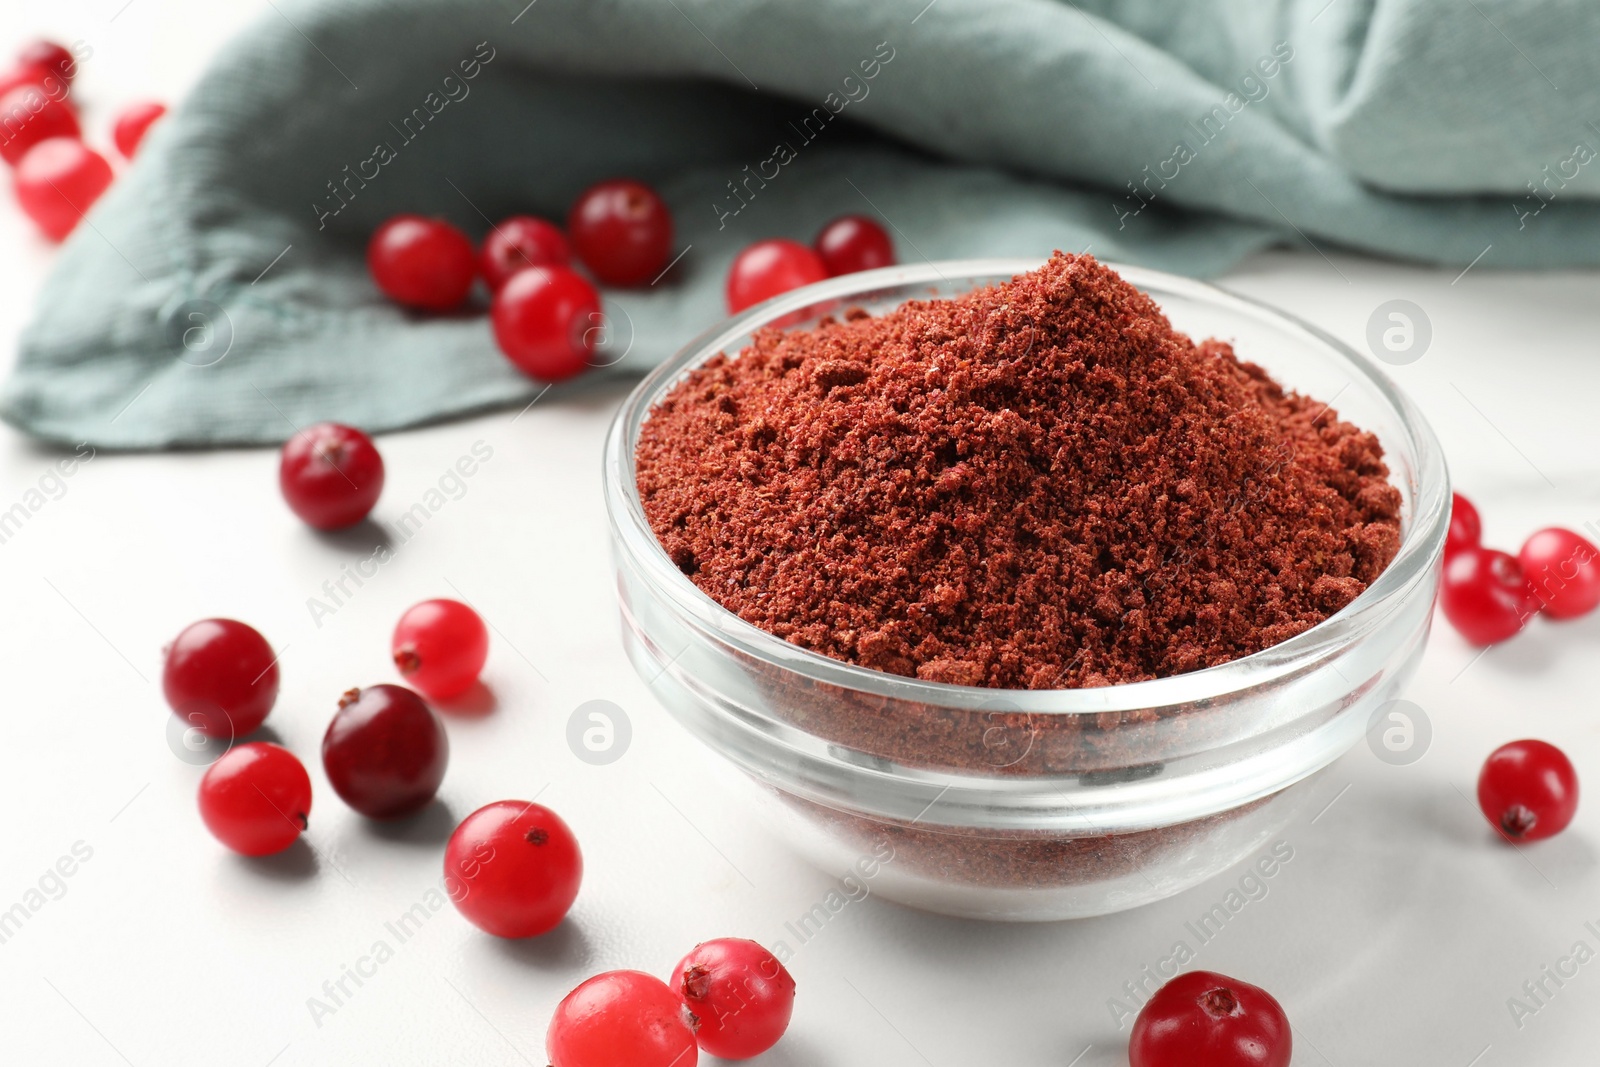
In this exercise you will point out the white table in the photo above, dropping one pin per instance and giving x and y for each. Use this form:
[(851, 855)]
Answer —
[(1395, 935)]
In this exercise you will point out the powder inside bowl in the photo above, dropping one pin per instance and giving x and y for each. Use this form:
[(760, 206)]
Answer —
[(1036, 485)]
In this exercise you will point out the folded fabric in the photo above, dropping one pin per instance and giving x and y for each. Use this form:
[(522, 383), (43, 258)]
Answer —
[(218, 293)]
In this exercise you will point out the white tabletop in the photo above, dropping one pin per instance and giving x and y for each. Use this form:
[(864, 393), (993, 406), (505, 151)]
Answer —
[(1396, 934)]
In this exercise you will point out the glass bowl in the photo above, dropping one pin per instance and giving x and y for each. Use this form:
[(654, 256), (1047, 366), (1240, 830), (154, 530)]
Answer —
[(1042, 804)]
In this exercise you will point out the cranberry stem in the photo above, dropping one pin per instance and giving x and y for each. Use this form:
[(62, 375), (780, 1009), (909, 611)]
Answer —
[(696, 982), (1219, 1003), (1518, 820)]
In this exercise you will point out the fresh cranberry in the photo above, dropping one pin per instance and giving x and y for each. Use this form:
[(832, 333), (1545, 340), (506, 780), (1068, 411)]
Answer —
[(621, 1019), (440, 647), (331, 475), (50, 57), (741, 994), (135, 120), (1528, 790), (11, 79), (622, 231), (58, 181), (768, 268), (385, 751), (220, 677), (1466, 529), (545, 322), (1205, 1019), (255, 799), (421, 262), (513, 868), (30, 115), (518, 243), (1564, 570), (854, 242), (1485, 595)]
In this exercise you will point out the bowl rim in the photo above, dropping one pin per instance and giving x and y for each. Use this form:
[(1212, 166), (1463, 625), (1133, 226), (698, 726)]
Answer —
[(1422, 538)]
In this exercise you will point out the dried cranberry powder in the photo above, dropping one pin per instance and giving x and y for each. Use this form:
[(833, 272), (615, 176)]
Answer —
[(1036, 485)]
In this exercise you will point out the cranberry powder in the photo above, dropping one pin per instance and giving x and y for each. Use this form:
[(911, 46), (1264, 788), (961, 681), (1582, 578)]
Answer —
[(1036, 485)]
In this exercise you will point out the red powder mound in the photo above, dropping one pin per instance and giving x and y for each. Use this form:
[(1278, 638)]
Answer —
[(1036, 485)]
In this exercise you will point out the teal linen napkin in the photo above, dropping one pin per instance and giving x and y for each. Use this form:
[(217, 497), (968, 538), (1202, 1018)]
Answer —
[(217, 294)]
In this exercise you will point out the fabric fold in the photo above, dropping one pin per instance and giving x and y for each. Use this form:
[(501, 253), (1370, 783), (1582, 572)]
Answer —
[(218, 294)]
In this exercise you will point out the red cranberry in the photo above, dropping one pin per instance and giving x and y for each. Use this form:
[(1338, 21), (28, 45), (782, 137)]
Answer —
[(255, 799), (58, 181), (852, 243), (513, 868), (135, 120), (768, 268), (741, 994), (11, 79), (1485, 595), (220, 677), (1564, 570), (622, 231), (421, 262), (1205, 1019), (545, 321), (331, 475), (50, 57), (1466, 529), (385, 751), (440, 647), (1528, 790), (30, 115), (621, 1019), (520, 242)]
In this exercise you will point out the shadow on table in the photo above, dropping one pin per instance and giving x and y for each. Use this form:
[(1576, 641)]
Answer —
[(476, 703), (430, 828), (297, 863), (566, 948), (364, 537), (1542, 646)]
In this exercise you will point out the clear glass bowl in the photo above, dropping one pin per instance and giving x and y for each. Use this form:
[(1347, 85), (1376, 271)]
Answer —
[(1046, 804)]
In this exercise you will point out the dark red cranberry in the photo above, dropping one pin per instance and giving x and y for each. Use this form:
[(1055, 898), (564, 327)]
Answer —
[(422, 263), (852, 243), (221, 677), (385, 751), (331, 475), (518, 243), (622, 231)]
